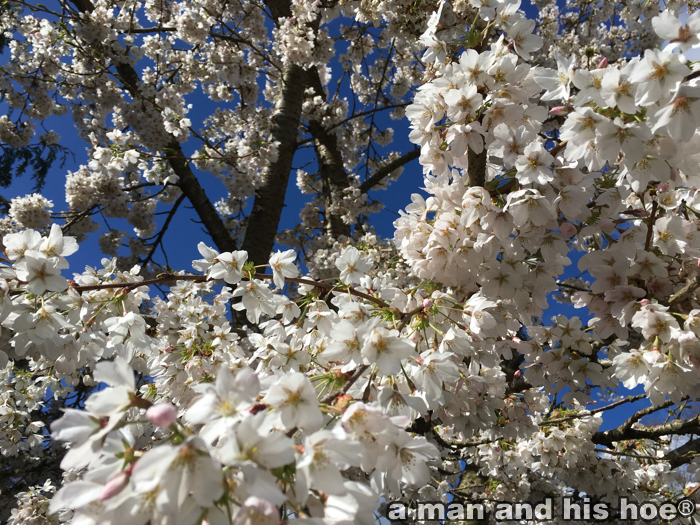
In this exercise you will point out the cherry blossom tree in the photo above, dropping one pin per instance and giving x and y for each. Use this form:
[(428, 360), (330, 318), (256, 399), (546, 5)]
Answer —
[(319, 372)]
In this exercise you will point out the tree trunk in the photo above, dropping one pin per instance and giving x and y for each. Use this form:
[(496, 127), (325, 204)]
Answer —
[(477, 168), (270, 195), (330, 165)]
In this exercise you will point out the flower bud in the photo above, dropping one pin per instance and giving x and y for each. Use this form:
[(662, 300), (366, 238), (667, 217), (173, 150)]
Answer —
[(559, 111), (602, 64), (115, 485), (644, 302), (343, 401), (162, 415), (427, 303), (567, 229), (257, 407), (517, 374), (337, 375), (663, 187), (64, 365)]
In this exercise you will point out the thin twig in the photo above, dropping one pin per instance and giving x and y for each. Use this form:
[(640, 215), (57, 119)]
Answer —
[(357, 373), (406, 317), (685, 292), (164, 278), (162, 231), (631, 399), (650, 229)]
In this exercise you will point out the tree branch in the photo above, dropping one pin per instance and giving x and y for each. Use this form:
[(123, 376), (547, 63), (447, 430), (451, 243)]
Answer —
[(167, 277), (684, 293), (385, 171), (330, 163), (270, 195), (683, 454), (188, 183), (650, 228), (631, 399), (626, 432), (357, 115), (476, 168), (162, 231), (356, 374), (190, 187)]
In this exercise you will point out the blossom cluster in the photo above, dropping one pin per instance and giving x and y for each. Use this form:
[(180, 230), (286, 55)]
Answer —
[(414, 370), (616, 179)]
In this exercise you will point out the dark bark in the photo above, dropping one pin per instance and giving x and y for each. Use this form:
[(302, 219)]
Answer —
[(387, 170), (684, 293), (279, 8), (626, 432), (330, 165), (194, 192), (270, 194), (477, 168), (683, 454), (470, 484)]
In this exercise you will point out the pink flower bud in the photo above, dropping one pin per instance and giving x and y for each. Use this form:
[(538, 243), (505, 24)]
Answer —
[(602, 64), (559, 111), (162, 415), (662, 187), (115, 485), (257, 407), (427, 303), (567, 229), (517, 374), (644, 302)]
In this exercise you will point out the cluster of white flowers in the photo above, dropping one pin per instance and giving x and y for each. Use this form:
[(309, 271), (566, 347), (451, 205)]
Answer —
[(619, 185), (33, 506), (392, 370), (295, 39), (12, 136), (235, 427), (32, 211)]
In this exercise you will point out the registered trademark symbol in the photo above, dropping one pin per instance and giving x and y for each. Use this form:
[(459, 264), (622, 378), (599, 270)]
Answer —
[(686, 507)]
